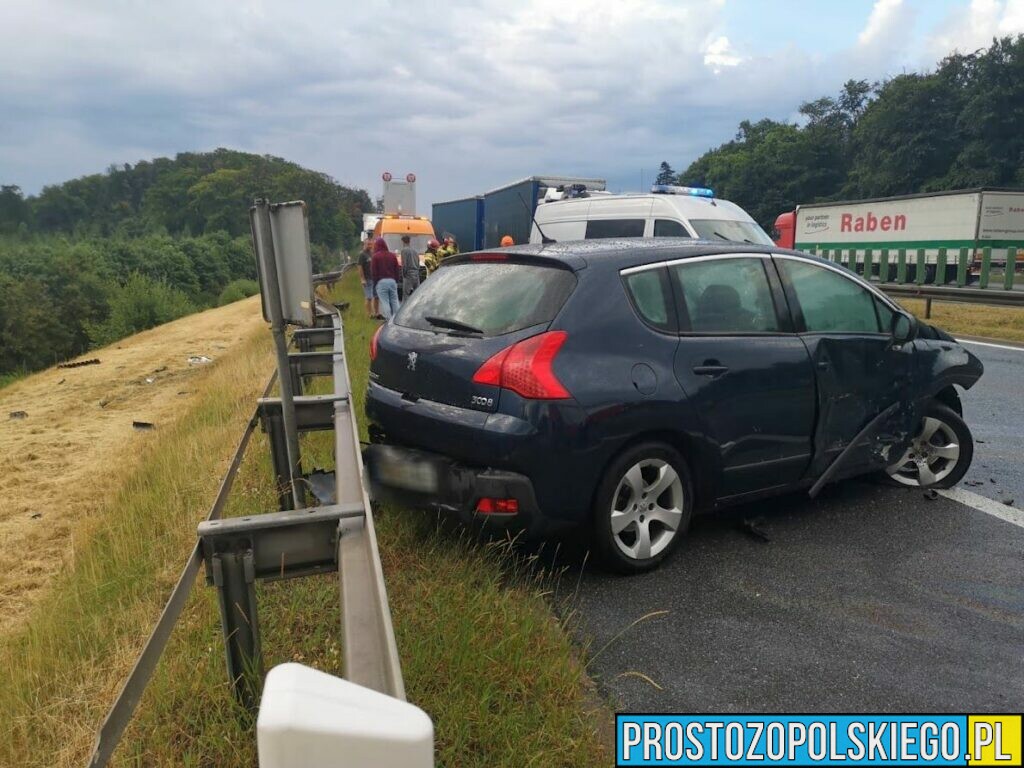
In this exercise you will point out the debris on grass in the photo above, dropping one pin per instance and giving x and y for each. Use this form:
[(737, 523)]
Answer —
[(19, 415), (80, 363), (143, 425), (199, 360)]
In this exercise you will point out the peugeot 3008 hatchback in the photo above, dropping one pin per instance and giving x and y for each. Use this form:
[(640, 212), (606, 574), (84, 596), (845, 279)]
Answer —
[(620, 386)]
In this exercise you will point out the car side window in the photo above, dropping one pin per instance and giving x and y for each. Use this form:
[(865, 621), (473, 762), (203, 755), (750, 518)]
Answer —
[(648, 291), (885, 315), (830, 302), (601, 228), (669, 228), (726, 296)]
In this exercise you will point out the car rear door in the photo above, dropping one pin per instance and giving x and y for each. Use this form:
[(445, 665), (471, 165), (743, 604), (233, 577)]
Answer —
[(745, 371), (859, 371)]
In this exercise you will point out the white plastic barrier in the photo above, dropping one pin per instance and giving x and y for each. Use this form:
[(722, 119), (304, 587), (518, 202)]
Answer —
[(310, 718)]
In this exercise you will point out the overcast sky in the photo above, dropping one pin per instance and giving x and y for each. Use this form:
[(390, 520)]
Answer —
[(468, 95)]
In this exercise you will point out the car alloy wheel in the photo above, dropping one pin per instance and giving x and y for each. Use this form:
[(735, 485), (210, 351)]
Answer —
[(932, 457), (647, 509)]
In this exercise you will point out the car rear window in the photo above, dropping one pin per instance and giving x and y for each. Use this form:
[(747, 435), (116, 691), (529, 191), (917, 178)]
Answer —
[(492, 297)]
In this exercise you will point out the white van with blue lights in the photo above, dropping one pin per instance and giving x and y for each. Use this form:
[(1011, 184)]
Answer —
[(667, 211)]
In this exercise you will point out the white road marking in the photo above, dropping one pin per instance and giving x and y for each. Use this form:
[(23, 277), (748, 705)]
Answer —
[(986, 505), (990, 344)]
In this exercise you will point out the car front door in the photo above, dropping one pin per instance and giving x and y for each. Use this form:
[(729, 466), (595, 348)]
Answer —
[(744, 370), (860, 372)]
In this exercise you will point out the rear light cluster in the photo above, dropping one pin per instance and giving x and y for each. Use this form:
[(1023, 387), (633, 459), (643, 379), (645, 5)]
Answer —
[(373, 343), (525, 368), (489, 506)]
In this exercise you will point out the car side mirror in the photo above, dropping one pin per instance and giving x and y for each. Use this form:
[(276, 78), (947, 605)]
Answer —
[(903, 328)]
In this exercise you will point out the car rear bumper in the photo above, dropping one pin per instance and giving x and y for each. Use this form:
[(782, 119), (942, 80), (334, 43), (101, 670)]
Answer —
[(429, 480)]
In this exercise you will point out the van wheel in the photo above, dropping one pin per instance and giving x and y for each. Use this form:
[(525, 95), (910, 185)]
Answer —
[(642, 508), (940, 453)]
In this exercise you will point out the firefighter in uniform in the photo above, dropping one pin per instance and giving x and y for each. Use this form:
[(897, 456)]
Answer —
[(432, 258)]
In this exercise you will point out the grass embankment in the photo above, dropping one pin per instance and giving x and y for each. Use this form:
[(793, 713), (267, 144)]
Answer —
[(972, 319), (481, 651)]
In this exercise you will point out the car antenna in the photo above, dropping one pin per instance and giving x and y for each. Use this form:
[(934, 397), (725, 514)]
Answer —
[(543, 238)]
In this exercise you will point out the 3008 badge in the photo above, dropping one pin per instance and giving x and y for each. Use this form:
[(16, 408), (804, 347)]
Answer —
[(482, 402)]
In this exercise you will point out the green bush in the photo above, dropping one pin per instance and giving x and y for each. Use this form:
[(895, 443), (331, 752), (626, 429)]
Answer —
[(140, 303), (238, 289)]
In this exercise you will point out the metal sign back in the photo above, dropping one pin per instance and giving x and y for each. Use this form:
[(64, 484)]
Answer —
[(289, 226)]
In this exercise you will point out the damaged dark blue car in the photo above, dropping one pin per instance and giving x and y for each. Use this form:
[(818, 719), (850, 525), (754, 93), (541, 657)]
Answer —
[(621, 386)]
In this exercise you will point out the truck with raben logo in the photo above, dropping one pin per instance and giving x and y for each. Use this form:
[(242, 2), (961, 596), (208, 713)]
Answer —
[(930, 229)]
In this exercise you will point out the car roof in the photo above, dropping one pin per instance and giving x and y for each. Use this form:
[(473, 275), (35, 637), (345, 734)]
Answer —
[(621, 253)]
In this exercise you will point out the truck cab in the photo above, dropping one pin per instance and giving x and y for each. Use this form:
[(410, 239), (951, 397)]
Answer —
[(667, 211), (784, 231)]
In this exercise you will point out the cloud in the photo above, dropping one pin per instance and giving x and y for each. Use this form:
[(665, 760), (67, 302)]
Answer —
[(886, 24), (975, 25), (719, 53), (466, 94)]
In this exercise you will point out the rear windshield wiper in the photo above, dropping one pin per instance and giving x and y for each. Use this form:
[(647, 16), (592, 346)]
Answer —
[(455, 325)]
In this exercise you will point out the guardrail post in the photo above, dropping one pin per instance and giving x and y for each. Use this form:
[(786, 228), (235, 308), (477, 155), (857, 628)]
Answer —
[(940, 268), (836, 257), (869, 263), (919, 272), (901, 265), (851, 260), (273, 425), (986, 267), (961, 268), (883, 266), (235, 579), (1010, 269)]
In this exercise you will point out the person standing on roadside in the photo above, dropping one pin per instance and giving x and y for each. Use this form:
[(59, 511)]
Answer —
[(385, 273), (366, 278), (410, 268)]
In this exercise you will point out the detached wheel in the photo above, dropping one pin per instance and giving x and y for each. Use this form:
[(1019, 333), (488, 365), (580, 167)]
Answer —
[(642, 508), (940, 453)]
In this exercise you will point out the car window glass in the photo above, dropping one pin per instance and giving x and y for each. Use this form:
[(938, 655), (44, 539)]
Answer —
[(647, 291), (602, 228), (495, 297), (726, 296), (830, 301), (885, 315), (669, 228)]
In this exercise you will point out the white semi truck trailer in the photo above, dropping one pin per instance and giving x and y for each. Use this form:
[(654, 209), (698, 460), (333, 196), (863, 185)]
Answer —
[(931, 230)]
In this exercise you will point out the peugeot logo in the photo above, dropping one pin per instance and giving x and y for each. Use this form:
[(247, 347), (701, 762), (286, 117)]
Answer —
[(413, 357)]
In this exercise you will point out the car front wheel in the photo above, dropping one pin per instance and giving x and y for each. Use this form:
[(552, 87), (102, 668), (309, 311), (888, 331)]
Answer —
[(940, 453), (642, 508)]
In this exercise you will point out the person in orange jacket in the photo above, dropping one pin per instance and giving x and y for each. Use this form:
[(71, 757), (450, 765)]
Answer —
[(506, 241)]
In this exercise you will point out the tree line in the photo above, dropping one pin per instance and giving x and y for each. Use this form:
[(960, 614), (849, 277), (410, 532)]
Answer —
[(97, 258), (953, 128)]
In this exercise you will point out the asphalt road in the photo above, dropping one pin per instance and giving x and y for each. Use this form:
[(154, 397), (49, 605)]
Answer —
[(994, 410), (869, 598)]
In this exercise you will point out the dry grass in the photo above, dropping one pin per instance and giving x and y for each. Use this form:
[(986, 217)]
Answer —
[(77, 445), (481, 651), (972, 319)]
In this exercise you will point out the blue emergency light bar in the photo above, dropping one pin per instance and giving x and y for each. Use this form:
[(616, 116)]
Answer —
[(672, 189)]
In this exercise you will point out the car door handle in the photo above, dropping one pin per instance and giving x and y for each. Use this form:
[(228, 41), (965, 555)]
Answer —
[(823, 366), (710, 370)]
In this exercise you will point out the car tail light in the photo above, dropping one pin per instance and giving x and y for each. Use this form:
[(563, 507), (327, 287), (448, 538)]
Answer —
[(525, 368), (373, 343), (489, 506)]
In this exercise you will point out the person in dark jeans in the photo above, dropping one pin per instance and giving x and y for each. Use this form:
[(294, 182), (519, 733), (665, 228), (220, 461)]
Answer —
[(366, 278), (386, 274)]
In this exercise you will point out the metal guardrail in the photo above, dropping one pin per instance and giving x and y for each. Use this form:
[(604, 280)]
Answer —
[(944, 276), (336, 534)]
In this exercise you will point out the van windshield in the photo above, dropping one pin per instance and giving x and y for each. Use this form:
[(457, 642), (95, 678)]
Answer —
[(734, 231)]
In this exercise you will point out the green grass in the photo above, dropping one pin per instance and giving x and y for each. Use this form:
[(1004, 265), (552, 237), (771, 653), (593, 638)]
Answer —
[(972, 319), (481, 650)]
